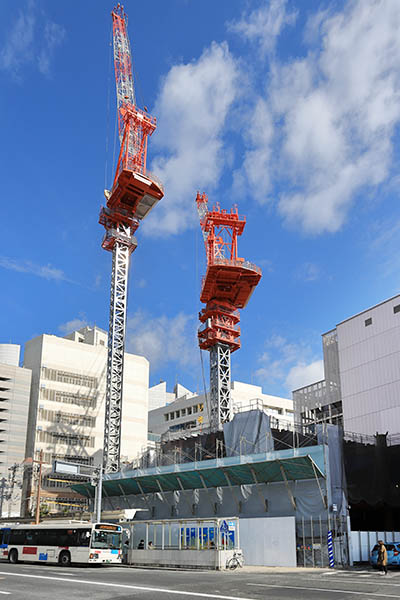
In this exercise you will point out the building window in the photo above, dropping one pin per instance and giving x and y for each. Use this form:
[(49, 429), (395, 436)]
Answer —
[(172, 416), (177, 414), (183, 412), (166, 416), (396, 308), (189, 410), (68, 377), (368, 321), (68, 398), (194, 408)]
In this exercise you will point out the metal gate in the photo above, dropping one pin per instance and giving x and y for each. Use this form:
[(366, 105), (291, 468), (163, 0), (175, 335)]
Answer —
[(312, 541)]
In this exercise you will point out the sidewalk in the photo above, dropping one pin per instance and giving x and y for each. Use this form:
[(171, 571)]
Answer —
[(271, 570)]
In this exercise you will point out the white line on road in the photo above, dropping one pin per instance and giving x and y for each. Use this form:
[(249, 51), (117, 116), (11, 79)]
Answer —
[(8, 593), (371, 580), (131, 587), (327, 591)]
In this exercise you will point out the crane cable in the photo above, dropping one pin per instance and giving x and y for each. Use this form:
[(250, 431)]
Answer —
[(108, 110), (196, 287)]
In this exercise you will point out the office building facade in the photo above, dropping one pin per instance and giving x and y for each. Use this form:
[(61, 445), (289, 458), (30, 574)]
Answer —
[(67, 405), (361, 389), (189, 412), (15, 386)]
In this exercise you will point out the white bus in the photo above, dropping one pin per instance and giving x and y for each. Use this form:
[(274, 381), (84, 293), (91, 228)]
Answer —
[(62, 542)]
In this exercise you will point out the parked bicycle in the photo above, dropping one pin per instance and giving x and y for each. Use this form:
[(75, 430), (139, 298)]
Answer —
[(235, 561)]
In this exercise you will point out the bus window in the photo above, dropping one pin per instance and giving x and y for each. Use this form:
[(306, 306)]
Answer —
[(17, 537), (31, 538), (106, 539), (83, 537), (4, 536)]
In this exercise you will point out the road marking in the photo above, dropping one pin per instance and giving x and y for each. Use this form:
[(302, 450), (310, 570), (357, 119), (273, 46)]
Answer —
[(8, 593), (347, 573), (134, 587), (372, 580), (328, 591)]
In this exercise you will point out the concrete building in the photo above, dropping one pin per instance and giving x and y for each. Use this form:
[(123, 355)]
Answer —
[(158, 395), (67, 404), (15, 386), (362, 374), (188, 412)]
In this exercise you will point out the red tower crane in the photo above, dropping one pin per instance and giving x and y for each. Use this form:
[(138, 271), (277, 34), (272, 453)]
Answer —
[(226, 287), (135, 191)]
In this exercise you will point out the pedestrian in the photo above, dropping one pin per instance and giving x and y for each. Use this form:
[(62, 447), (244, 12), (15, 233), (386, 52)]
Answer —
[(141, 545), (151, 547), (382, 557)]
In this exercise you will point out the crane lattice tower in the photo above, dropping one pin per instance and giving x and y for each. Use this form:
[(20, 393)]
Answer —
[(226, 287), (134, 192)]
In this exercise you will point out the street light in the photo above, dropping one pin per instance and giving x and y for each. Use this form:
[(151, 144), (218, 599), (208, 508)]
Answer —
[(95, 474)]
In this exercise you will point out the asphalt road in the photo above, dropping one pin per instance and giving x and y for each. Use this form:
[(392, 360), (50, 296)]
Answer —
[(47, 582)]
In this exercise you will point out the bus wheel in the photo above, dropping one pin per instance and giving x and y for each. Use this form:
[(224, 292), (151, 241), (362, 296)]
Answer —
[(13, 556), (64, 559)]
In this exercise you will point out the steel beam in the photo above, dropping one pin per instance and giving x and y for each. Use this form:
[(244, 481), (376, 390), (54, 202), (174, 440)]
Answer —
[(220, 386), (122, 249)]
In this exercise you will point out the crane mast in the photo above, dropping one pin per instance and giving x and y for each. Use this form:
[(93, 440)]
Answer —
[(227, 286), (135, 191)]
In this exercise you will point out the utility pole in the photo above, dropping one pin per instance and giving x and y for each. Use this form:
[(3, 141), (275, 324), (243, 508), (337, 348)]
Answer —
[(39, 487), (99, 490)]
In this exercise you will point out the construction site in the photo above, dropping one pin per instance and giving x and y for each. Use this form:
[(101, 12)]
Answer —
[(239, 483), (201, 477)]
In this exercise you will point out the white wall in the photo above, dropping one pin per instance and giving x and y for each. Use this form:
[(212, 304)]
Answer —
[(369, 359), (244, 397), (269, 542), (9, 354), (87, 359)]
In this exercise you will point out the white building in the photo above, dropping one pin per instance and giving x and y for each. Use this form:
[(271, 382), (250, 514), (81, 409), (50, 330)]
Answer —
[(362, 373), (15, 386), (190, 412), (67, 404)]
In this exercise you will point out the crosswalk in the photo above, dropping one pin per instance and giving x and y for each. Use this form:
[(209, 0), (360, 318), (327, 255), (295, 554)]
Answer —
[(361, 574)]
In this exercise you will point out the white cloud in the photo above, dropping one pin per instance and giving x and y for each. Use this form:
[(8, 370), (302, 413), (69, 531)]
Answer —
[(25, 266), (308, 271), (73, 325), (32, 39), (18, 47), (339, 108), (53, 36), (264, 25), (304, 374), (256, 169), (287, 364), (191, 109), (162, 339)]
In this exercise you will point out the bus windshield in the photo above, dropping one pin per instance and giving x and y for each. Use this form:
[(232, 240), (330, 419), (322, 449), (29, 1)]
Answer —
[(106, 539)]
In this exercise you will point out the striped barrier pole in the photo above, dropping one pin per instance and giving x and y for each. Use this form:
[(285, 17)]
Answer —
[(330, 550)]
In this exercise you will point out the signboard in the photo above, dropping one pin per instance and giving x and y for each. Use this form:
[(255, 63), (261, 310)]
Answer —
[(224, 527), (107, 527), (71, 468), (65, 467)]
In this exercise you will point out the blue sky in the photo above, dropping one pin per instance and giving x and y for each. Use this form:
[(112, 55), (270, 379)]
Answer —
[(290, 109)]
